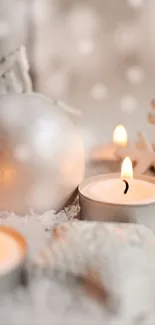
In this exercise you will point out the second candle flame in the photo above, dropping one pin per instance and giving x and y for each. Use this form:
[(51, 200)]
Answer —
[(127, 169), (120, 136)]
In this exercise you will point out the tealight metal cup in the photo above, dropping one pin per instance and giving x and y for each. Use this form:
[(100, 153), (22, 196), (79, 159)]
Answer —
[(102, 211), (13, 277)]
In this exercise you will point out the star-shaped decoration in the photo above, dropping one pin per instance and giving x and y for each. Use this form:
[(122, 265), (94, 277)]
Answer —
[(142, 153)]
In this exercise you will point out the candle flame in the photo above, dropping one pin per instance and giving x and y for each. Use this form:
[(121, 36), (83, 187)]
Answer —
[(120, 136), (127, 169)]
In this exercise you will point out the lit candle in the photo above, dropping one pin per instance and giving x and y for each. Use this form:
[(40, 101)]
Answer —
[(118, 197), (120, 137), (112, 190), (12, 257), (108, 152)]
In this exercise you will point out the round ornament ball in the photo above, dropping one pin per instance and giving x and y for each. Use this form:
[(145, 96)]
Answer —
[(41, 155)]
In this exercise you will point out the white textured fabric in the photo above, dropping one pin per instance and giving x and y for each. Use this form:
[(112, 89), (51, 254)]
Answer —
[(126, 250)]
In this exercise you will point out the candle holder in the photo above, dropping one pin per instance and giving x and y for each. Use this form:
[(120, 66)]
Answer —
[(12, 274), (91, 209)]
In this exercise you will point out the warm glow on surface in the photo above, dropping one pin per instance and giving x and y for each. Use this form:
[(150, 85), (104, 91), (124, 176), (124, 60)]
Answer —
[(127, 169), (7, 175), (120, 136)]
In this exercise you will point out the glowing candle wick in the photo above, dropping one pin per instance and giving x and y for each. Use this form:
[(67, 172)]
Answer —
[(126, 172), (127, 186)]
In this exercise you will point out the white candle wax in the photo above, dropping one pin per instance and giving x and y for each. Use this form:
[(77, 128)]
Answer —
[(10, 252), (112, 191)]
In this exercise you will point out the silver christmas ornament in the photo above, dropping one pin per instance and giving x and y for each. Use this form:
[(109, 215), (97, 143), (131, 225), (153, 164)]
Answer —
[(41, 154)]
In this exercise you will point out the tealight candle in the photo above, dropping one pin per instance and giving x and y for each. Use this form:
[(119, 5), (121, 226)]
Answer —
[(12, 258), (112, 190), (108, 152), (114, 197)]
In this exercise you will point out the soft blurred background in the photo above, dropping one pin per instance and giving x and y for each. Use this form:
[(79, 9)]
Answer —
[(98, 56)]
